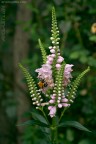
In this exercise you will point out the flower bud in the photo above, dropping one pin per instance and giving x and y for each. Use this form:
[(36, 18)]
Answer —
[(50, 47), (52, 101), (52, 51), (53, 55), (60, 105), (64, 100), (58, 66), (65, 104)]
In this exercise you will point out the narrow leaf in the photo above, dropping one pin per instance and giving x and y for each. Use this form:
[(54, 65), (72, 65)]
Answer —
[(38, 117), (73, 124), (33, 122), (29, 122)]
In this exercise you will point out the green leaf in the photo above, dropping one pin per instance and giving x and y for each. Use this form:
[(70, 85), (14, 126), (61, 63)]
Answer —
[(29, 122), (38, 117), (33, 122), (70, 135), (92, 38), (73, 124), (84, 141)]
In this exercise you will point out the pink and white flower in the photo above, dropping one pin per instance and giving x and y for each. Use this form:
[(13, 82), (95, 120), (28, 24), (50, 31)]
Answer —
[(60, 59), (67, 73), (52, 51), (58, 66), (45, 72), (52, 111)]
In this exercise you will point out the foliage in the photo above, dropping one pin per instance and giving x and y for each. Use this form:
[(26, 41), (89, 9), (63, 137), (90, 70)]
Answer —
[(77, 45)]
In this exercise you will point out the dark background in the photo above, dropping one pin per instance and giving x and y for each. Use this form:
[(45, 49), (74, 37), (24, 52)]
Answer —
[(21, 24)]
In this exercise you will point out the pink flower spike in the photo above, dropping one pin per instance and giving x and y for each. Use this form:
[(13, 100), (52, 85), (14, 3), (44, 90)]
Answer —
[(60, 105), (51, 101), (52, 51), (52, 111)]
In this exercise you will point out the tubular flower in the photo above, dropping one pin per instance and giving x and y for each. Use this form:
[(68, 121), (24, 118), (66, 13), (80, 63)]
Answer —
[(52, 111), (45, 73), (67, 74)]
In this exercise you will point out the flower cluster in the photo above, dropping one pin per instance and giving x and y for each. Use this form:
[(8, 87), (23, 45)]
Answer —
[(67, 74), (54, 76), (53, 63), (61, 102), (45, 73)]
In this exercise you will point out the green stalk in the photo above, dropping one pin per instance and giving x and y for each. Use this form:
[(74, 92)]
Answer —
[(54, 132), (45, 116), (62, 114)]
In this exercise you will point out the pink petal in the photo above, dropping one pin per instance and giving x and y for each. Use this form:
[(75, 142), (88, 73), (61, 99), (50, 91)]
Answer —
[(60, 105), (50, 107), (65, 104), (60, 59), (65, 100), (52, 111), (58, 65), (53, 55), (51, 101), (52, 51)]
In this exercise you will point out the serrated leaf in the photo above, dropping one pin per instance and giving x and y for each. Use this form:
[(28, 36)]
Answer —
[(33, 122), (74, 124)]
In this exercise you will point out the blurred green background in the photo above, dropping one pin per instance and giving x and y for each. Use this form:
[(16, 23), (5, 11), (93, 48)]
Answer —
[(21, 24)]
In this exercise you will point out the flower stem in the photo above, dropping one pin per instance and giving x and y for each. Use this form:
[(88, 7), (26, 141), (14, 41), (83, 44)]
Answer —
[(62, 114), (45, 116), (54, 132)]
